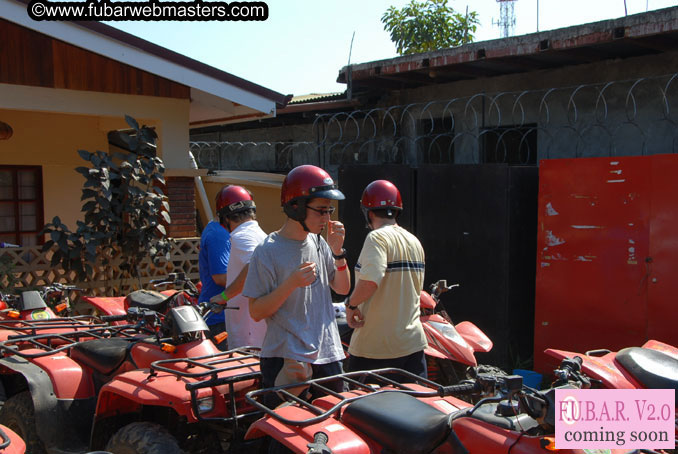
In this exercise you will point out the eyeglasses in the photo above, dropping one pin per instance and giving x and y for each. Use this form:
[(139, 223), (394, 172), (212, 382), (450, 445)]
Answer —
[(322, 211)]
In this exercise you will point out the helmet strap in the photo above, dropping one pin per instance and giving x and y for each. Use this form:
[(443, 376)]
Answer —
[(296, 210), (366, 214)]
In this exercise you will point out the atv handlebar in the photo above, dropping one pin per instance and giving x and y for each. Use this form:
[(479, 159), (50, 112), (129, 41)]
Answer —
[(440, 287), (177, 279), (462, 389)]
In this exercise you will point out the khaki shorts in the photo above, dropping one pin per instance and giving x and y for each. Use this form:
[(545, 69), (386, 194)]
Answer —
[(294, 371)]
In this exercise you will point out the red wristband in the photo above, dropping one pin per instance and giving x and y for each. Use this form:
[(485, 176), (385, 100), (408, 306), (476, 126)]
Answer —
[(342, 267)]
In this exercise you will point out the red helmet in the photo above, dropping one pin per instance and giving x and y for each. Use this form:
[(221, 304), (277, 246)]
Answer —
[(381, 194), (234, 199), (303, 183)]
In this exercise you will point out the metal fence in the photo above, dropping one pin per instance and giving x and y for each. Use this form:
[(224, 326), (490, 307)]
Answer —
[(618, 118)]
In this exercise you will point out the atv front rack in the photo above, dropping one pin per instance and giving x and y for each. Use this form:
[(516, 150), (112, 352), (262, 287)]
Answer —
[(34, 326), (24, 345), (368, 382), (225, 368)]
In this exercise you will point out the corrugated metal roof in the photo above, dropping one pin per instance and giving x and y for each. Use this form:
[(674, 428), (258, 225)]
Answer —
[(316, 97)]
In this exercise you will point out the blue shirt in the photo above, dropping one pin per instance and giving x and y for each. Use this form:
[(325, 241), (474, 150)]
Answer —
[(215, 249)]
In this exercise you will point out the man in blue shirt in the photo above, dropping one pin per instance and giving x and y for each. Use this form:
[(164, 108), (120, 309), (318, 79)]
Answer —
[(215, 249)]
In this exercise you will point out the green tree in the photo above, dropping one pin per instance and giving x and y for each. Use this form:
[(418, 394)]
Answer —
[(428, 25), (124, 207)]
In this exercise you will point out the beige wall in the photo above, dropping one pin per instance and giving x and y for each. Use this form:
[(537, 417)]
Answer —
[(169, 116), (269, 212), (51, 140)]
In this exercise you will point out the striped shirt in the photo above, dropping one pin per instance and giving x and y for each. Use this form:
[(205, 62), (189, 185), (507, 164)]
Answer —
[(393, 259)]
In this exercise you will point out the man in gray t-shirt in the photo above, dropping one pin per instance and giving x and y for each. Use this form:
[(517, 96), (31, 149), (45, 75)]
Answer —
[(289, 280)]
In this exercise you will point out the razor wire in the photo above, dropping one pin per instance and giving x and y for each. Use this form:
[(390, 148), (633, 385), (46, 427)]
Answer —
[(617, 118)]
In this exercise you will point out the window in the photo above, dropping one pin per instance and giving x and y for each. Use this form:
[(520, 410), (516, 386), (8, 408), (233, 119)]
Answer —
[(21, 214), (512, 145)]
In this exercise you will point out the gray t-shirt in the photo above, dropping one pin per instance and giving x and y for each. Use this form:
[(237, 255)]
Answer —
[(304, 327)]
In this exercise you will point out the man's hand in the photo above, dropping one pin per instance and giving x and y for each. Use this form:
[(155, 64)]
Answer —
[(217, 299), (304, 276), (215, 307), (354, 318), (335, 236)]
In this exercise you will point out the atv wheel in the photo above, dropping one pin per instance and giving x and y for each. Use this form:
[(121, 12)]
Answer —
[(143, 438), (18, 414), (484, 369)]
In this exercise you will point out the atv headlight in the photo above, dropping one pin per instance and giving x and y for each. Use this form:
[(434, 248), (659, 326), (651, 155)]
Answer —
[(448, 331), (205, 404)]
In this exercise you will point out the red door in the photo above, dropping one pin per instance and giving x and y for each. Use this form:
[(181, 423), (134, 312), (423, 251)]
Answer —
[(662, 310), (593, 254)]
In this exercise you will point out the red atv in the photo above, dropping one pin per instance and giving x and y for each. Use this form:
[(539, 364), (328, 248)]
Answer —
[(65, 393), (395, 412), (652, 366), (118, 305), (28, 314), (33, 304)]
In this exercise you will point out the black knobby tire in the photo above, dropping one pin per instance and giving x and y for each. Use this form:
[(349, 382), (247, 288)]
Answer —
[(485, 369), (19, 415), (143, 438)]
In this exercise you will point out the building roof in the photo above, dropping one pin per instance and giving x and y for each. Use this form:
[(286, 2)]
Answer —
[(217, 97), (317, 97), (640, 34)]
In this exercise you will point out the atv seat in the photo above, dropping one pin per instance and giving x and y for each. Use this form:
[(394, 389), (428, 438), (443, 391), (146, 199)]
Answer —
[(398, 422), (652, 368), (102, 355), (147, 299)]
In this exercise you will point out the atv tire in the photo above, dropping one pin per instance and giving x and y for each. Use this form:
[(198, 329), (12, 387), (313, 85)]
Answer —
[(18, 414), (143, 438), (484, 369)]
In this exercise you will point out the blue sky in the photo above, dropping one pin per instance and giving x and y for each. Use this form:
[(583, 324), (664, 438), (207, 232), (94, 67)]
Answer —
[(304, 43)]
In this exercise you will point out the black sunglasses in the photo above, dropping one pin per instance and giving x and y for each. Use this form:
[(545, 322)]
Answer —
[(322, 211)]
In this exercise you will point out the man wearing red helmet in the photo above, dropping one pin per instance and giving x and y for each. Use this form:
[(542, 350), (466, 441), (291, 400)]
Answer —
[(239, 218), (384, 306), (289, 281)]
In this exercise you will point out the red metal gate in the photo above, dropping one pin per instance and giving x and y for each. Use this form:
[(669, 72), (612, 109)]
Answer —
[(607, 253)]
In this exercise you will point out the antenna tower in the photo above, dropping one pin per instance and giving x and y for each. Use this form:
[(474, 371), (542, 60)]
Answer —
[(507, 17)]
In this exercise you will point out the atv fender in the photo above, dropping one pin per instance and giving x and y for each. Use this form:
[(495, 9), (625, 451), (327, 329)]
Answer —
[(662, 347), (341, 439), (474, 336), (60, 423), (132, 390), (114, 305), (16, 444), (602, 368)]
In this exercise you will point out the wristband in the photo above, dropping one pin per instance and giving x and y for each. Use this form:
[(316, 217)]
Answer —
[(342, 267), (223, 295), (342, 255)]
